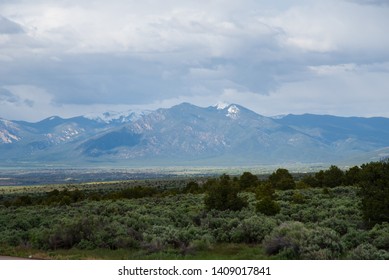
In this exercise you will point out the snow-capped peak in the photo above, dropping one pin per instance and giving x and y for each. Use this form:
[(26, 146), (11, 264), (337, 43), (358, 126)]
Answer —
[(108, 117), (233, 112), (221, 105), (111, 116), (232, 109)]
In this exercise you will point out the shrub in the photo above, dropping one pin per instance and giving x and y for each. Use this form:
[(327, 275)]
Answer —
[(13, 237), (379, 236), (341, 226), (205, 242), (252, 230), (285, 240), (367, 251), (298, 197), (321, 244), (175, 237), (292, 240), (353, 238), (268, 206)]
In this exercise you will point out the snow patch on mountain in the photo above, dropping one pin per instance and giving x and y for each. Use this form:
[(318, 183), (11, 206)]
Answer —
[(233, 112), (117, 117), (66, 134), (7, 138), (7, 132), (221, 105)]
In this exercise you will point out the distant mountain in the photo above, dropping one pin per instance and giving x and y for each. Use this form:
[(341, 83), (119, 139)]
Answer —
[(189, 135), (117, 117), (9, 132)]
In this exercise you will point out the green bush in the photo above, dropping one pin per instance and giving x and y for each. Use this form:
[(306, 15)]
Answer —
[(367, 251), (285, 240), (341, 226), (379, 236), (321, 244), (298, 197), (353, 238), (252, 229), (203, 243), (293, 240), (268, 206)]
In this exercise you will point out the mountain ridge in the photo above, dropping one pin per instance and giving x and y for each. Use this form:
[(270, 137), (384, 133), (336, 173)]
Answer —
[(187, 134)]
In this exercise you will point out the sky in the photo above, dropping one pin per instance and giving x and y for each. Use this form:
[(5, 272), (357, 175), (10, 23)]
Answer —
[(71, 57)]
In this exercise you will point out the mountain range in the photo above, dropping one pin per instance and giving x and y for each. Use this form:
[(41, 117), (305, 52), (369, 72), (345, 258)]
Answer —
[(222, 135)]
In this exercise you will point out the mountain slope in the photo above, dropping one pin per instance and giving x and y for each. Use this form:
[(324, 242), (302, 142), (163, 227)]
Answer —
[(364, 133), (9, 132), (187, 134)]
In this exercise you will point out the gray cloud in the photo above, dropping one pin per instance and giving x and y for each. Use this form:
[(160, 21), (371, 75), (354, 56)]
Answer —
[(8, 97), (9, 27), (371, 2), (93, 52), (30, 103)]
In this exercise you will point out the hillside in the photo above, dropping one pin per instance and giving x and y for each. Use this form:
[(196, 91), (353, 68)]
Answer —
[(189, 135)]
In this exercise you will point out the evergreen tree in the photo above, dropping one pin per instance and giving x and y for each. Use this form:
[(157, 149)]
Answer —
[(374, 191), (281, 179), (352, 176), (223, 195), (332, 177), (248, 180), (266, 200)]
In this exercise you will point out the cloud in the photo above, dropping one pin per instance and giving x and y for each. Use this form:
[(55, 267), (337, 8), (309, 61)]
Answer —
[(23, 102), (9, 27), (370, 2), (10, 101), (347, 90), (7, 97), (96, 53), (336, 29)]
